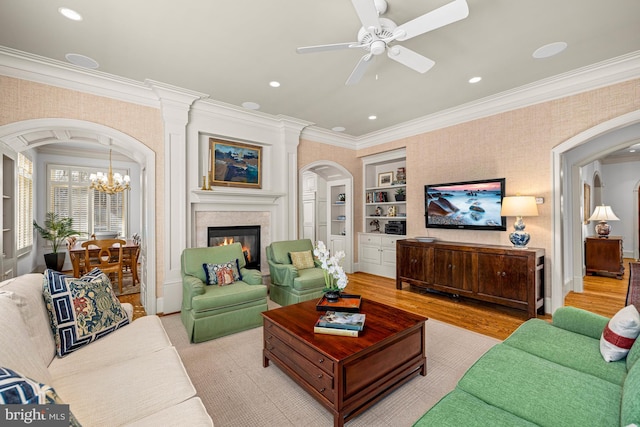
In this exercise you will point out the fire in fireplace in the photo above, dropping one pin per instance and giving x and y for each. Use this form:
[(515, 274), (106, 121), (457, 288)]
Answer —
[(247, 235)]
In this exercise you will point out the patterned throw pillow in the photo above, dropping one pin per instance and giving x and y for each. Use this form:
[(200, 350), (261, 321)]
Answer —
[(620, 334), (81, 310), (224, 270), (302, 260), (225, 276), (16, 389)]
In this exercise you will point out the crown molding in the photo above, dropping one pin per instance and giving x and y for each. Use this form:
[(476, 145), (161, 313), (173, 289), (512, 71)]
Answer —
[(325, 136), (606, 73), (27, 66)]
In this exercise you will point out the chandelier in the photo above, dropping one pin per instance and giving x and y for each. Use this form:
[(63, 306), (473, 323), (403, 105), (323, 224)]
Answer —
[(109, 183)]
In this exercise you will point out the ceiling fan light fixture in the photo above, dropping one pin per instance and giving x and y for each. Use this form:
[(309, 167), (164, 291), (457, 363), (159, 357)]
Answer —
[(378, 47)]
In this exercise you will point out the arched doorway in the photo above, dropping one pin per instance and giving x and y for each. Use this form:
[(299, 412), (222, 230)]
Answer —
[(31, 134), (337, 180), (567, 158)]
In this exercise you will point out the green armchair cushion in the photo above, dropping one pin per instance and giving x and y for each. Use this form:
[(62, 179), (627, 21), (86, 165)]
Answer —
[(215, 297)]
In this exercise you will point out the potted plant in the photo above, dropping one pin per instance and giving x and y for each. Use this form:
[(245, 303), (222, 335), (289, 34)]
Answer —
[(400, 195), (56, 230)]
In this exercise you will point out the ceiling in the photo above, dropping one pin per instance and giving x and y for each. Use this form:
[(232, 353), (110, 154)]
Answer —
[(231, 50)]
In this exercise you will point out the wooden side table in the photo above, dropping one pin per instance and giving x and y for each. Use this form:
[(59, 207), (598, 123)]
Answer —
[(604, 256)]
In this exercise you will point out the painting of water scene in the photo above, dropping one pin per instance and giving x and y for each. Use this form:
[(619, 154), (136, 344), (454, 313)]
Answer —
[(235, 164), (473, 204)]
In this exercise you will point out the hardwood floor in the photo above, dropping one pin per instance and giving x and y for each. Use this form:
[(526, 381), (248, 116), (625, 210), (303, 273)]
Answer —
[(602, 295)]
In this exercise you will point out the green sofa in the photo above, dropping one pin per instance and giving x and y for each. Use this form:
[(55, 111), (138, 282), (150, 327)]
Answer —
[(546, 375), (213, 311), (288, 284)]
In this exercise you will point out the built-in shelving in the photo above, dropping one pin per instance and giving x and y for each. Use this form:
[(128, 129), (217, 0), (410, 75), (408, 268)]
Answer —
[(384, 217)]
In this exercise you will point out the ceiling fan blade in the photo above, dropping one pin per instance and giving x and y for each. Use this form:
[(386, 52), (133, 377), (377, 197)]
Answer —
[(445, 15), (360, 69), (411, 59), (326, 47), (368, 14)]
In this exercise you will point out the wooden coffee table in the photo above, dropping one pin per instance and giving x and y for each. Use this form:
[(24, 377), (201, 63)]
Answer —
[(346, 374)]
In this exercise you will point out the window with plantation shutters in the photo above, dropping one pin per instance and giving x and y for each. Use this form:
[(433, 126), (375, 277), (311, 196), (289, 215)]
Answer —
[(24, 239), (91, 210)]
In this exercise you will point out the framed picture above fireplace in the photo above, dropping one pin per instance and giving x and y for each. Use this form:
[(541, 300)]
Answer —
[(235, 164)]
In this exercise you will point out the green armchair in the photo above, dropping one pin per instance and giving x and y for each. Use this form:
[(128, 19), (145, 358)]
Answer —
[(290, 285), (212, 311)]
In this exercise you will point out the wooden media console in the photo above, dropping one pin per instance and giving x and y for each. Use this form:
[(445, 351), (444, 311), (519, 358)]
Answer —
[(497, 274)]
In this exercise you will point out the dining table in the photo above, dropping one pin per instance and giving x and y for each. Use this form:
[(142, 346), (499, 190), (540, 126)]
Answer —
[(129, 250)]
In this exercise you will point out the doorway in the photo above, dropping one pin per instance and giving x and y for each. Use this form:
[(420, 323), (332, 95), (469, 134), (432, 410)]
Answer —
[(567, 159), (30, 134), (328, 217)]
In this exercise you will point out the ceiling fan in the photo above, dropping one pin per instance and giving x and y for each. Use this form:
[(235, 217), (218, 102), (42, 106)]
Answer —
[(378, 35)]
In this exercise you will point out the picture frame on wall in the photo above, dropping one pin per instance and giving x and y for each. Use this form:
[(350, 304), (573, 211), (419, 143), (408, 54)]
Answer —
[(385, 179), (235, 164)]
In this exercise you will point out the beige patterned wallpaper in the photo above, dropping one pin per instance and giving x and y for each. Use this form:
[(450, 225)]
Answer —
[(515, 145), (25, 100)]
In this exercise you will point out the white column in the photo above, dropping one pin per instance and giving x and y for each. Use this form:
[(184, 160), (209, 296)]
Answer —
[(175, 105)]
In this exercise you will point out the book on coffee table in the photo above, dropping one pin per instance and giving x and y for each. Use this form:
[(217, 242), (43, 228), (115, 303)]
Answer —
[(335, 331), (342, 320)]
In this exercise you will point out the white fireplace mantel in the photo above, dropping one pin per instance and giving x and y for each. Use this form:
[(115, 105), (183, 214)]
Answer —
[(236, 197)]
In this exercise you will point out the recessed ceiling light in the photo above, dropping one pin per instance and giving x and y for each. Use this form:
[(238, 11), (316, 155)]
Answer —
[(251, 105), (550, 49), (81, 60), (372, 117), (632, 150), (475, 79), (70, 13), (274, 84), (338, 129)]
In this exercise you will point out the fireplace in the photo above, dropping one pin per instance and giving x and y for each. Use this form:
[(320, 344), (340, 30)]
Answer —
[(247, 235)]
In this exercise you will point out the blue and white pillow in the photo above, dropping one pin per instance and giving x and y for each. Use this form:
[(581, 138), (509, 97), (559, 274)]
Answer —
[(81, 310), (16, 389), (212, 272)]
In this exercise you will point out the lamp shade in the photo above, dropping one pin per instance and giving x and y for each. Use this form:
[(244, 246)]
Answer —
[(519, 206), (603, 213)]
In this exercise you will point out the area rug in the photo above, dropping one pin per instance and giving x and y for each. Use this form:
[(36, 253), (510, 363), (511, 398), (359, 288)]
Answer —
[(633, 292), (128, 287), (237, 391)]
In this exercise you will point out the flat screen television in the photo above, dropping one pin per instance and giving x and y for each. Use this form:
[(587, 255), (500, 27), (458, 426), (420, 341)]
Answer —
[(471, 205)]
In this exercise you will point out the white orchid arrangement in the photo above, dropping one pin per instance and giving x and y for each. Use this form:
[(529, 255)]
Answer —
[(334, 275)]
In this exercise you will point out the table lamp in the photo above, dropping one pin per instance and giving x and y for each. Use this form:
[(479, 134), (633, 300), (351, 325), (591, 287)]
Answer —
[(603, 214), (519, 206)]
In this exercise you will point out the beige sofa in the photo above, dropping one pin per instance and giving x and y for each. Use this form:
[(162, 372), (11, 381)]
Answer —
[(133, 376)]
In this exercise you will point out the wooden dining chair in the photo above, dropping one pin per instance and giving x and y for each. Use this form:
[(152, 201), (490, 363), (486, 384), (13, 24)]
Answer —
[(109, 256), (130, 262)]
